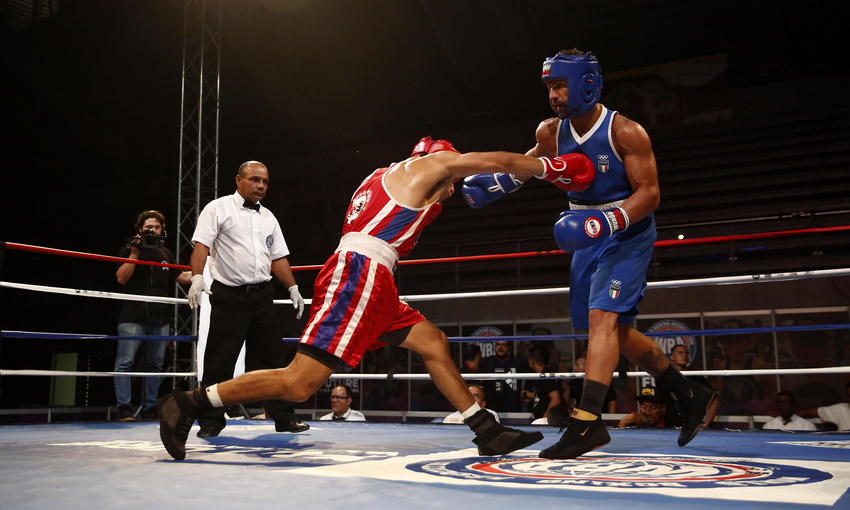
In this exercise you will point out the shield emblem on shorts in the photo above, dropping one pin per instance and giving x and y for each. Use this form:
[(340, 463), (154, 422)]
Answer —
[(614, 289), (602, 163)]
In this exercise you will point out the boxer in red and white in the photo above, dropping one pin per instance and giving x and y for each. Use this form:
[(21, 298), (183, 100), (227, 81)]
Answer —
[(355, 300)]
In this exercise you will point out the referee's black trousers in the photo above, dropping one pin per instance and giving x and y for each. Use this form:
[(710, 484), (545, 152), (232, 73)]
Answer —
[(237, 314)]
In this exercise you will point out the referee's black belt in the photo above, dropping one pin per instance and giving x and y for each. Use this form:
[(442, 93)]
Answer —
[(248, 289)]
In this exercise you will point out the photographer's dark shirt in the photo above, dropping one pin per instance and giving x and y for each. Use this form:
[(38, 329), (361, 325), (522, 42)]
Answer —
[(149, 281)]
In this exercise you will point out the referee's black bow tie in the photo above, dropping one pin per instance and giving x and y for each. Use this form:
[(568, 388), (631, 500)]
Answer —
[(249, 205)]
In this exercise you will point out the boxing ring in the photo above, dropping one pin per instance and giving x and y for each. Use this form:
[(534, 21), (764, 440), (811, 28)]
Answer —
[(424, 465)]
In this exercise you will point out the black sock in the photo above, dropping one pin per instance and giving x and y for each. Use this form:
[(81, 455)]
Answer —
[(593, 396), (674, 381)]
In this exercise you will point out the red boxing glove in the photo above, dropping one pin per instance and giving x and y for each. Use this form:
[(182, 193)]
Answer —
[(570, 172)]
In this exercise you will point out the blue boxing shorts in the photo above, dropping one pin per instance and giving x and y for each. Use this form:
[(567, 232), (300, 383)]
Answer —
[(611, 275)]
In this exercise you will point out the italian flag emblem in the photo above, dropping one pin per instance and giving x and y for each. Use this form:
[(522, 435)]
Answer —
[(614, 289)]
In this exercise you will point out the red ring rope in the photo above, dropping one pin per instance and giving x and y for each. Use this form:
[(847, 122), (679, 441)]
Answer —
[(495, 256)]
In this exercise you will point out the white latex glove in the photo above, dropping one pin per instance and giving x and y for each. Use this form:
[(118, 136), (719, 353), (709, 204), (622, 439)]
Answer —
[(297, 300), (198, 286)]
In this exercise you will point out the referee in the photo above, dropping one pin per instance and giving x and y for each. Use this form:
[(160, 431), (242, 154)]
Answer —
[(246, 247)]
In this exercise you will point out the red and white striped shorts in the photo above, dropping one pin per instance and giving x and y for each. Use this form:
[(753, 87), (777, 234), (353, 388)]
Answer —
[(355, 301)]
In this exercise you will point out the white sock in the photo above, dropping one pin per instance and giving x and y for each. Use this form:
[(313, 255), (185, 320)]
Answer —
[(474, 408), (212, 395)]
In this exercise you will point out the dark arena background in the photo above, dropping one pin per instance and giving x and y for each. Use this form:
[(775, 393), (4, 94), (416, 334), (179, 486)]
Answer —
[(114, 107)]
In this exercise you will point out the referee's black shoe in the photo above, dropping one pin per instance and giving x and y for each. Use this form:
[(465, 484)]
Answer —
[(177, 412), (693, 405), (493, 438), (294, 426), (582, 436)]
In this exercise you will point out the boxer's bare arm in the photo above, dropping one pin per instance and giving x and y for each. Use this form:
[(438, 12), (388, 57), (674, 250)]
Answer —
[(633, 144), (545, 136), (419, 181)]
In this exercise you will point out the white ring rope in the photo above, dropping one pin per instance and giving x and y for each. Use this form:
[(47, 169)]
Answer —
[(668, 284), (427, 377)]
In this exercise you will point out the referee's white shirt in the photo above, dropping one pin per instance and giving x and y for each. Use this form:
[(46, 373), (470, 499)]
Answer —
[(242, 242)]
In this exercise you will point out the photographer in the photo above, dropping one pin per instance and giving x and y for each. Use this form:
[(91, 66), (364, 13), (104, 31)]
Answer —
[(140, 318)]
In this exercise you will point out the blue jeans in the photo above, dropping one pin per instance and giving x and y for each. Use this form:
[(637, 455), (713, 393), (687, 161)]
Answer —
[(153, 361)]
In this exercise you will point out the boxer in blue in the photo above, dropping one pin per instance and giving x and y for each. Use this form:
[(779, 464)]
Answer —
[(610, 230)]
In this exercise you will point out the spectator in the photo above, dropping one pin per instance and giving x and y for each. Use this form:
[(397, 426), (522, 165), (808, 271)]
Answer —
[(478, 393), (559, 414), (837, 414), (504, 394), (787, 420), (341, 406), (471, 359), (545, 393), (679, 357), (138, 318), (650, 412)]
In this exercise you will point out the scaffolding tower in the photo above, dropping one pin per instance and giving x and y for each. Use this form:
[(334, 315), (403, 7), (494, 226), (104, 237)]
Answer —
[(199, 127)]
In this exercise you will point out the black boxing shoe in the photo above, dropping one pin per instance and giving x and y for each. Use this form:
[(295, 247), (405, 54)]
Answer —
[(291, 426), (493, 438), (693, 406), (582, 436), (177, 413)]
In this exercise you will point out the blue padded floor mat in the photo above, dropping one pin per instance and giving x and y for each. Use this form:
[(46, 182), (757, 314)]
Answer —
[(358, 465)]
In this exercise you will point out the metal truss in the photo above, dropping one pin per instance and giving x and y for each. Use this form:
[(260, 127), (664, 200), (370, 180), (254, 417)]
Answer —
[(199, 127)]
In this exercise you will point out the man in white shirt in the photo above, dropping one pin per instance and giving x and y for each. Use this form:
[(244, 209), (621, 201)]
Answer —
[(341, 406), (478, 393), (246, 247), (787, 420), (837, 414)]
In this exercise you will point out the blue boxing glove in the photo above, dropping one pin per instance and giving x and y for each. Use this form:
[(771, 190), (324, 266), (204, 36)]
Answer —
[(581, 228), (479, 190)]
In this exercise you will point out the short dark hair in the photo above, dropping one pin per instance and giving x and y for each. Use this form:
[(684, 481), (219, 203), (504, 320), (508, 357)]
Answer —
[(470, 351), (539, 355), (152, 213), (348, 392), (678, 345), (787, 394)]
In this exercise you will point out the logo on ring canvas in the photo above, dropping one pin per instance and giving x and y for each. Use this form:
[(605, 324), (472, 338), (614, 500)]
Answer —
[(623, 472)]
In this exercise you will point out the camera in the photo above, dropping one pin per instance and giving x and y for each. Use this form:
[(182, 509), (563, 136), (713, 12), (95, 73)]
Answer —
[(147, 239)]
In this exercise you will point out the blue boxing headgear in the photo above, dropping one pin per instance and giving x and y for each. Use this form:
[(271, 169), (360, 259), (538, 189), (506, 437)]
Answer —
[(584, 80)]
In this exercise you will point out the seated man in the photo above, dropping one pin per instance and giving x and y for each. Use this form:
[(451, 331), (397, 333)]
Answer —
[(680, 358), (650, 411), (559, 414), (787, 420), (356, 306), (341, 406), (545, 393), (837, 414), (478, 393)]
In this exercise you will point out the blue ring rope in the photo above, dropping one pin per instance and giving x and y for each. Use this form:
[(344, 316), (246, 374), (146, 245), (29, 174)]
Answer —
[(454, 339)]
